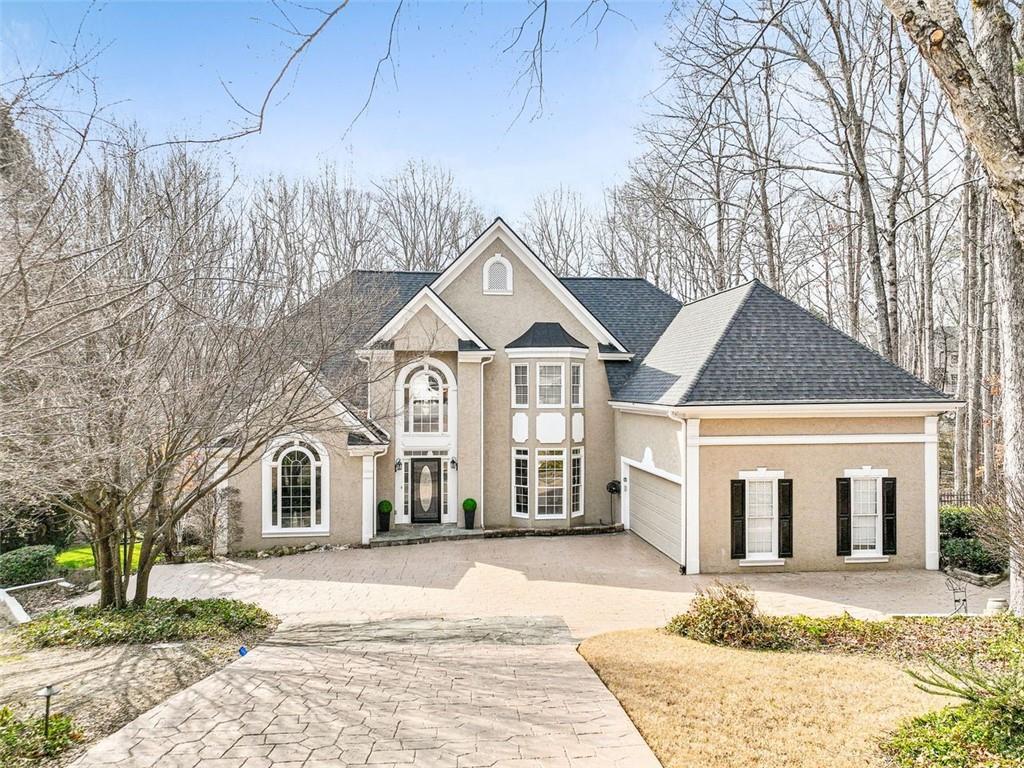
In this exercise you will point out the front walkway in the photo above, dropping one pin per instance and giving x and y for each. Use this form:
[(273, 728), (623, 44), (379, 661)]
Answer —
[(455, 654), (424, 693)]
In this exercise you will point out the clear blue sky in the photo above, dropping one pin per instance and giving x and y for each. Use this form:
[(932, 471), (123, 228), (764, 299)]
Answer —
[(451, 98)]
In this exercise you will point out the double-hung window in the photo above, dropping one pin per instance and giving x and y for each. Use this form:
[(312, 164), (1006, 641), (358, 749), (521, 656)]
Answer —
[(761, 518), (576, 385), (866, 515), (520, 385), (550, 385), (520, 482), (550, 483)]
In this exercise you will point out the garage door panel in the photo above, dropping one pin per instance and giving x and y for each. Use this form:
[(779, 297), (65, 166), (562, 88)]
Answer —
[(655, 511)]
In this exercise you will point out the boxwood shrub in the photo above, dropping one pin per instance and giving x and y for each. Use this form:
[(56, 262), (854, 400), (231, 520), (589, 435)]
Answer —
[(26, 565), (960, 547)]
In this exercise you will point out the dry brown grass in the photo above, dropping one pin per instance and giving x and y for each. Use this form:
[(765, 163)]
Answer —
[(713, 707)]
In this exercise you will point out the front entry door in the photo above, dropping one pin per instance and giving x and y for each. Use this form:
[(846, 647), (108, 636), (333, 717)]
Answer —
[(426, 490)]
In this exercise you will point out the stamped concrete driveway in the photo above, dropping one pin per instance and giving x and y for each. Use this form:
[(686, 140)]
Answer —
[(449, 654)]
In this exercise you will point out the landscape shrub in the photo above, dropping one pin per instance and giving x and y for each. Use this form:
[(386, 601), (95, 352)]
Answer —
[(961, 548), (27, 565), (986, 730), (22, 742), (727, 614), (159, 621), (956, 523), (971, 555)]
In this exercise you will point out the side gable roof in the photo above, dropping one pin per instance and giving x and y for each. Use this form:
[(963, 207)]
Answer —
[(537, 266), (752, 345)]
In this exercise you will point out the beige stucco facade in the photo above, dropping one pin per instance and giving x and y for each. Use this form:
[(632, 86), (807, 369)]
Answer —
[(344, 478), (461, 331)]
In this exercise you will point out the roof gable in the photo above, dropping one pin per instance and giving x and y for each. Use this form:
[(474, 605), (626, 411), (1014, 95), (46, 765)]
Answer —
[(426, 298), (539, 269)]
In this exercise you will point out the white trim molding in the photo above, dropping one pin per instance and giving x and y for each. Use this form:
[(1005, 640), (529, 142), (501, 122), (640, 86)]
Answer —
[(533, 263), (792, 410), (880, 437), (692, 491), (426, 298), (485, 277), (931, 493), (576, 353)]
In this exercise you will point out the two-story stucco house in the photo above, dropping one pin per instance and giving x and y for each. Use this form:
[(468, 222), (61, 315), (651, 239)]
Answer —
[(746, 433)]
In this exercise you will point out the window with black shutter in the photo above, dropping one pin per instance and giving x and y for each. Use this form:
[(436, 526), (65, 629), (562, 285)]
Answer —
[(888, 515), (738, 519), (843, 546)]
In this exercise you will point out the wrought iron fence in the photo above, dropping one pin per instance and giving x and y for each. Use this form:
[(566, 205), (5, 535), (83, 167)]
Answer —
[(954, 499)]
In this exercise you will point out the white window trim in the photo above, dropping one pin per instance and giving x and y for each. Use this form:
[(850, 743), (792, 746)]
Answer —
[(574, 367), (267, 469), (763, 474), (561, 398), (875, 555), (536, 482), (513, 380), (525, 453), (578, 451), (487, 269)]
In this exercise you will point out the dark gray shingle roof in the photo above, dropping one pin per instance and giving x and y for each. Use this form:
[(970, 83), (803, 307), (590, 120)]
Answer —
[(633, 309), (545, 335), (752, 345)]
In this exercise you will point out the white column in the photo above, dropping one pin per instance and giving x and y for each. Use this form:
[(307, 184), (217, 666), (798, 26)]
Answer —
[(931, 493), (692, 490), (368, 521)]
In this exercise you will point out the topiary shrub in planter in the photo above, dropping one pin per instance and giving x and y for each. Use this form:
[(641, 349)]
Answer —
[(384, 508), (26, 565), (469, 513)]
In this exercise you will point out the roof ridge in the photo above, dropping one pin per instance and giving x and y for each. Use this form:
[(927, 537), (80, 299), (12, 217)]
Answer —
[(744, 284), (725, 332), (850, 338)]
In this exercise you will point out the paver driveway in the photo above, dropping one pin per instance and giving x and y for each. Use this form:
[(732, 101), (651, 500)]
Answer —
[(449, 654)]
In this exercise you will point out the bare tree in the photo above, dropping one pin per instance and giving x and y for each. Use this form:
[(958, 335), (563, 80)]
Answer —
[(557, 227), (426, 218)]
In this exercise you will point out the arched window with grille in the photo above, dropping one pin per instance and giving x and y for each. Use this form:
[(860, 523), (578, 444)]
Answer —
[(498, 275), (295, 488), (426, 401)]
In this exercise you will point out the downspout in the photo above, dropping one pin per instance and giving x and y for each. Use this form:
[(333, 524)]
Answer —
[(674, 415), (483, 361)]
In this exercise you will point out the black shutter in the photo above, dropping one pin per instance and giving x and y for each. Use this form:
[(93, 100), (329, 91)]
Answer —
[(843, 516), (888, 515), (739, 519), (785, 518)]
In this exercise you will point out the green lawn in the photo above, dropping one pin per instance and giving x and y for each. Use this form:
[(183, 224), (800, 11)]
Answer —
[(81, 557)]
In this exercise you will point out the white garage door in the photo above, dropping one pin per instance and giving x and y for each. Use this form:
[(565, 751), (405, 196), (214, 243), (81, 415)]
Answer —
[(655, 511)]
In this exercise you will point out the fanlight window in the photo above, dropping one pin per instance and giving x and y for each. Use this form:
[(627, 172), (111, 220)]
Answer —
[(426, 402), (296, 494)]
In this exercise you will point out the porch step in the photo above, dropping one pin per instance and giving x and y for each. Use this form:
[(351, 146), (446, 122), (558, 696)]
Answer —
[(408, 534)]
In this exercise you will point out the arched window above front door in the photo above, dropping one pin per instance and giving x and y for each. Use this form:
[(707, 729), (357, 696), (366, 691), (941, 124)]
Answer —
[(426, 401)]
